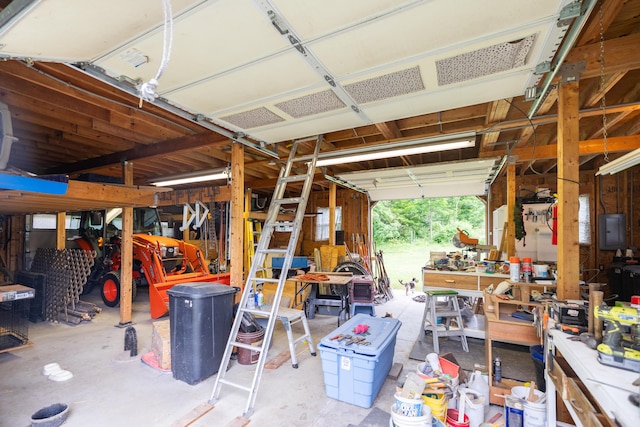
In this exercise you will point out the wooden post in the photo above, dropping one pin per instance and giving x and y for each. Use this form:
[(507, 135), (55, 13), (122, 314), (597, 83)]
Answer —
[(126, 266), (332, 213), (511, 204), (61, 230), (236, 242), (568, 191)]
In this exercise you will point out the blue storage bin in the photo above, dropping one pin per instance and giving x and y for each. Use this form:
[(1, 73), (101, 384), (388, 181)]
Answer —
[(355, 373), (297, 262)]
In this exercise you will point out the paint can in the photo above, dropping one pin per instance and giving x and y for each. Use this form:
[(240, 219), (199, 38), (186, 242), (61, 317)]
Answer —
[(245, 356)]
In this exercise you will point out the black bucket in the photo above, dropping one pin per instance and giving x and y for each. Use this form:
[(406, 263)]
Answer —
[(51, 416), (537, 355)]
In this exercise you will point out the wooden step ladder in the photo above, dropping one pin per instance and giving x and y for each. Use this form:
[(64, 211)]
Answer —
[(281, 198)]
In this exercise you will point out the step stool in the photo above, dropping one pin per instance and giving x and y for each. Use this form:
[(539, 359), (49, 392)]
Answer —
[(446, 310), (362, 307), (288, 317)]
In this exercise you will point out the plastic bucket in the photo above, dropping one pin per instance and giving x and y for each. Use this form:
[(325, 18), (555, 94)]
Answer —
[(408, 407), (438, 405), (452, 419), (535, 414), (245, 356), (513, 411), (473, 405), (537, 355), (400, 420)]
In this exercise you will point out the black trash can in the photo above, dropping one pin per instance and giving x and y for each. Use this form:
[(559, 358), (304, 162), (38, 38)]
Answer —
[(200, 322), (537, 354)]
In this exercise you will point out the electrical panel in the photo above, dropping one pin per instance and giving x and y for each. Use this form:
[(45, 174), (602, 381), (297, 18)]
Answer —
[(612, 233)]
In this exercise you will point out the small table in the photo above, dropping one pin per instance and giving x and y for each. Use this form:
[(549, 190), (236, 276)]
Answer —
[(315, 298)]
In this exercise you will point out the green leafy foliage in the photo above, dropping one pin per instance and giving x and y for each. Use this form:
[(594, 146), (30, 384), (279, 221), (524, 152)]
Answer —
[(432, 220)]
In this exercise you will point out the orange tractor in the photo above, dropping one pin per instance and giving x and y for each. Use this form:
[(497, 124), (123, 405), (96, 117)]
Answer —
[(158, 261)]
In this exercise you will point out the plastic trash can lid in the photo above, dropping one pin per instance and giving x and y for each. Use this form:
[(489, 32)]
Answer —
[(196, 290)]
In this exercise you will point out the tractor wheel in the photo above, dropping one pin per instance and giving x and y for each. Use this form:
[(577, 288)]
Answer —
[(110, 288)]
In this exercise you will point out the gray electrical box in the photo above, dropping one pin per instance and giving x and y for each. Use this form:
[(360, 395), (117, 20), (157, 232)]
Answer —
[(612, 232)]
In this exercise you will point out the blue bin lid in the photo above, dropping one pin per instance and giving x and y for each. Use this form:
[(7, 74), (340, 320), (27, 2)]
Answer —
[(381, 331), (197, 290)]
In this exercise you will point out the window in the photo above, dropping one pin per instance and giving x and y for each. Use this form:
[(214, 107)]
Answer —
[(584, 220), (322, 222)]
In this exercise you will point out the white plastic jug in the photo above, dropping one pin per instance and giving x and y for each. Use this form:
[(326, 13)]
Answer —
[(478, 384)]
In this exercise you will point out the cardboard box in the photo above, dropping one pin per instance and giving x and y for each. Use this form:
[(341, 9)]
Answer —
[(161, 343), (355, 373)]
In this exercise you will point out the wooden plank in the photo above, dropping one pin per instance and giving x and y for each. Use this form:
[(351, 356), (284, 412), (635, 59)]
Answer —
[(194, 415), (395, 371), (238, 422), (61, 231), (568, 192), (278, 360)]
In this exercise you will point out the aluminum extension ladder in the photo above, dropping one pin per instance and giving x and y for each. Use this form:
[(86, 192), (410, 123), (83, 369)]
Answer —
[(278, 201)]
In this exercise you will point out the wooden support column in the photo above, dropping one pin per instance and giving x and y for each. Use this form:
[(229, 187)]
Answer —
[(61, 230), (332, 213), (126, 267), (511, 204), (236, 242), (568, 191)]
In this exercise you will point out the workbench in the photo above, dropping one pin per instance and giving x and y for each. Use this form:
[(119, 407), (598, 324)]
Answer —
[(590, 393), (319, 295), (470, 284)]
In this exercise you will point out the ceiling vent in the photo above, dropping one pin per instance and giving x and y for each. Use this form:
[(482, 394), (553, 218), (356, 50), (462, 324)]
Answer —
[(314, 103), (387, 86), (484, 62), (253, 118)]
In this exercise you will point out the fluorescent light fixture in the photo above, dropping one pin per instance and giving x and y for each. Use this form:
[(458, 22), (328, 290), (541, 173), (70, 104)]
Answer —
[(620, 164), (192, 178), (398, 149)]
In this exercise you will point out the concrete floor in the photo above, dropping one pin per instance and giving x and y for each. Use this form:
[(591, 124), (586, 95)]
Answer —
[(109, 389)]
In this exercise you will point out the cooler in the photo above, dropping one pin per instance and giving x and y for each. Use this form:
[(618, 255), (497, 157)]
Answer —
[(355, 373)]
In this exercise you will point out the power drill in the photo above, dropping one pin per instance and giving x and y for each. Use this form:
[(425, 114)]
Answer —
[(615, 350)]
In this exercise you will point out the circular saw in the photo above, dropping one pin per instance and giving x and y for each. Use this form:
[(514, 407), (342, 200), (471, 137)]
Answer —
[(461, 239)]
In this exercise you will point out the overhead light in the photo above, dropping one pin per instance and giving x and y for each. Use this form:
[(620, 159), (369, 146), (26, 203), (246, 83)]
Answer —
[(398, 149), (192, 178), (620, 164)]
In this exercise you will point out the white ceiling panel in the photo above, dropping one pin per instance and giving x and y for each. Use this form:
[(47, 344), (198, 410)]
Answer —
[(80, 30), (463, 178), (241, 59)]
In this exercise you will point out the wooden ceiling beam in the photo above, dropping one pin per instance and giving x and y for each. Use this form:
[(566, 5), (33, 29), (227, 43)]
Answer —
[(593, 146), (389, 130), (164, 148), (39, 80), (610, 10), (621, 54), (610, 80), (498, 111)]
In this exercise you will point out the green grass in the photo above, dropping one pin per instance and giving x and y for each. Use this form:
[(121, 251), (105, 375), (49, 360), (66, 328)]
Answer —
[(404, 261)]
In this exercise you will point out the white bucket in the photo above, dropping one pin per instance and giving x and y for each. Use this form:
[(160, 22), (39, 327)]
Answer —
[(540, 270), (400, 420), (409, 407), (535, 413), (473, 406)]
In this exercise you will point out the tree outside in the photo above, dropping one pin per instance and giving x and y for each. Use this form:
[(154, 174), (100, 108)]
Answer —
[(407, 230)]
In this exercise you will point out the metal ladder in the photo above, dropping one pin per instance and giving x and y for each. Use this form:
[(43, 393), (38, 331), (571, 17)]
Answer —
[(279, 200)]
